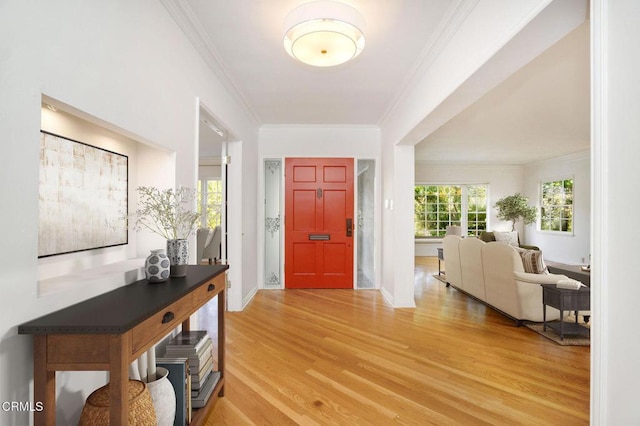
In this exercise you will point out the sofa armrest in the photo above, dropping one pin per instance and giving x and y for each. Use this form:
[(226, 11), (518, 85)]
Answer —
[(538, 279)]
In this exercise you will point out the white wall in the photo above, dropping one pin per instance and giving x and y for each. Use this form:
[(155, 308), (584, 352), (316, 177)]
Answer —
[(503, 180), (317, 141), (209, 172), (402, 233), (615, 174), (124, 63), (571, 248)]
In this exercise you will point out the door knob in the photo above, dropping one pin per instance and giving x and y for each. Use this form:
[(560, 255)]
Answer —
[(349, 226)]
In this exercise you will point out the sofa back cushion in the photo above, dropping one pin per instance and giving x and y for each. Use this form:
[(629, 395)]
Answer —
[(451, 253), (471, 267), (487, 236), (499, 262)]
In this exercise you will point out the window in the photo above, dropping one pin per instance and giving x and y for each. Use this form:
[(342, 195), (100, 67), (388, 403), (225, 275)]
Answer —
[(556, 206), (438, 206), (210, 202), (476, 209)]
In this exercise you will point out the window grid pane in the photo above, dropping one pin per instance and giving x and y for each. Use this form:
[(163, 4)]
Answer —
[(437, 207), (556, 206), (211, 191)]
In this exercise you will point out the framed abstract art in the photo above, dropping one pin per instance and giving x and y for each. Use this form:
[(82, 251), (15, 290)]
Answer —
[(83, 196)]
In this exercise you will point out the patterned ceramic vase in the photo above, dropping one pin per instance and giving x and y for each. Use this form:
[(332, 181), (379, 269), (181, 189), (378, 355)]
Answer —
[(157, 266), (178, 252)]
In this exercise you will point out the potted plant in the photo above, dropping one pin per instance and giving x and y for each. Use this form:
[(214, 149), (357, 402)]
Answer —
[(515, 208), (168, 213)]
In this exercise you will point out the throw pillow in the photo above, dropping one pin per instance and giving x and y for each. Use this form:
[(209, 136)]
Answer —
[(510, 238), (532, 261)]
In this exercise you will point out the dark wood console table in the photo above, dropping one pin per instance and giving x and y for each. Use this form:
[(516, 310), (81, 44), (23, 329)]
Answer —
[(110, 331)]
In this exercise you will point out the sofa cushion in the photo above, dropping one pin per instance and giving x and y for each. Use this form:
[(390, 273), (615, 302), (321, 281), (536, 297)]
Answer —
[(510, 238), (532, 261), (487, 236)]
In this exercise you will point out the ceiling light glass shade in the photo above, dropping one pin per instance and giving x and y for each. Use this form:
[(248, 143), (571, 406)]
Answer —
[(324, 33)]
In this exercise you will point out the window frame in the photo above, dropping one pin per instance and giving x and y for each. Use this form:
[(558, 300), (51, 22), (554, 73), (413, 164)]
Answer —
[(542, 205), (464, 208)]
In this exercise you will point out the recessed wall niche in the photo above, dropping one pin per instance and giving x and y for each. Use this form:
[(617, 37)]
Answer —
[(147, 165)]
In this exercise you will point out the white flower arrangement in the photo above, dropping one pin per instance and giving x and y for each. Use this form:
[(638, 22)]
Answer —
[(166, 212)]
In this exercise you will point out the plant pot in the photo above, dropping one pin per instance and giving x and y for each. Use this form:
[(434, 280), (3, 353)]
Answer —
[(157, 266), (164, 397), (178, 253)]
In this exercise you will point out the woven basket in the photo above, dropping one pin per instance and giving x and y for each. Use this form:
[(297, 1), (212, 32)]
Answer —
[(141, 411)]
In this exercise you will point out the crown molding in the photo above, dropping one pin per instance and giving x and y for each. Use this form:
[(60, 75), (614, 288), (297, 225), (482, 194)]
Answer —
[(188, 22), (455, 16), (469, 165), (320, 126), (574, 156)]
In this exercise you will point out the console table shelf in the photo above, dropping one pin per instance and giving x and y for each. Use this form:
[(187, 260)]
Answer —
[(110, 331)]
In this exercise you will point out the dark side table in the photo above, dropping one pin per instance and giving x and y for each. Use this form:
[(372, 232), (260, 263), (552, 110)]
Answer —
[(572, 271), (564, 299)]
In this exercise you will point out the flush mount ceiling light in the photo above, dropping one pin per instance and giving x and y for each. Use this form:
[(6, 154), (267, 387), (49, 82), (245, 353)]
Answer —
[(324, 33)]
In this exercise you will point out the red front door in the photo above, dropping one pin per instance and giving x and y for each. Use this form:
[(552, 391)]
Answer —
[(319, 222)]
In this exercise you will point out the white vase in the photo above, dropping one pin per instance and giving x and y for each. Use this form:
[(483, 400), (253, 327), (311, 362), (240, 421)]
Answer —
[(164, 397), (157, 267), (178, 252)]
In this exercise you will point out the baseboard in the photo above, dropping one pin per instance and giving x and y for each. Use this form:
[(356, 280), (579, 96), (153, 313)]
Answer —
[(388, 297), (248, 298), (395, 303)]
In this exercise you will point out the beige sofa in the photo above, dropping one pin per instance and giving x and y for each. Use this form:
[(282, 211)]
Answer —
[(493, 273)]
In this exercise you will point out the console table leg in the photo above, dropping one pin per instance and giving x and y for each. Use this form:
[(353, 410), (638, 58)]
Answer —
[(44, 383), (119, 379), (222, 298)]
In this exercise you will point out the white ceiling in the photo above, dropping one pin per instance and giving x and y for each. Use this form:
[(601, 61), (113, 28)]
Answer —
[(246, 39), (242, 41), (539, 112)]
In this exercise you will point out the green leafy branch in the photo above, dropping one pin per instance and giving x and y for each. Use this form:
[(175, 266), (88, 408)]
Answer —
[(514, 208)]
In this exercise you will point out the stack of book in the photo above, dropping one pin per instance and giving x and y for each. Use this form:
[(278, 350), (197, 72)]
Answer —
[(198, 348)]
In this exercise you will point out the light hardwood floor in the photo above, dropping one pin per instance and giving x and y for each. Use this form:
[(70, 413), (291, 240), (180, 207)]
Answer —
[(345, 357)]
